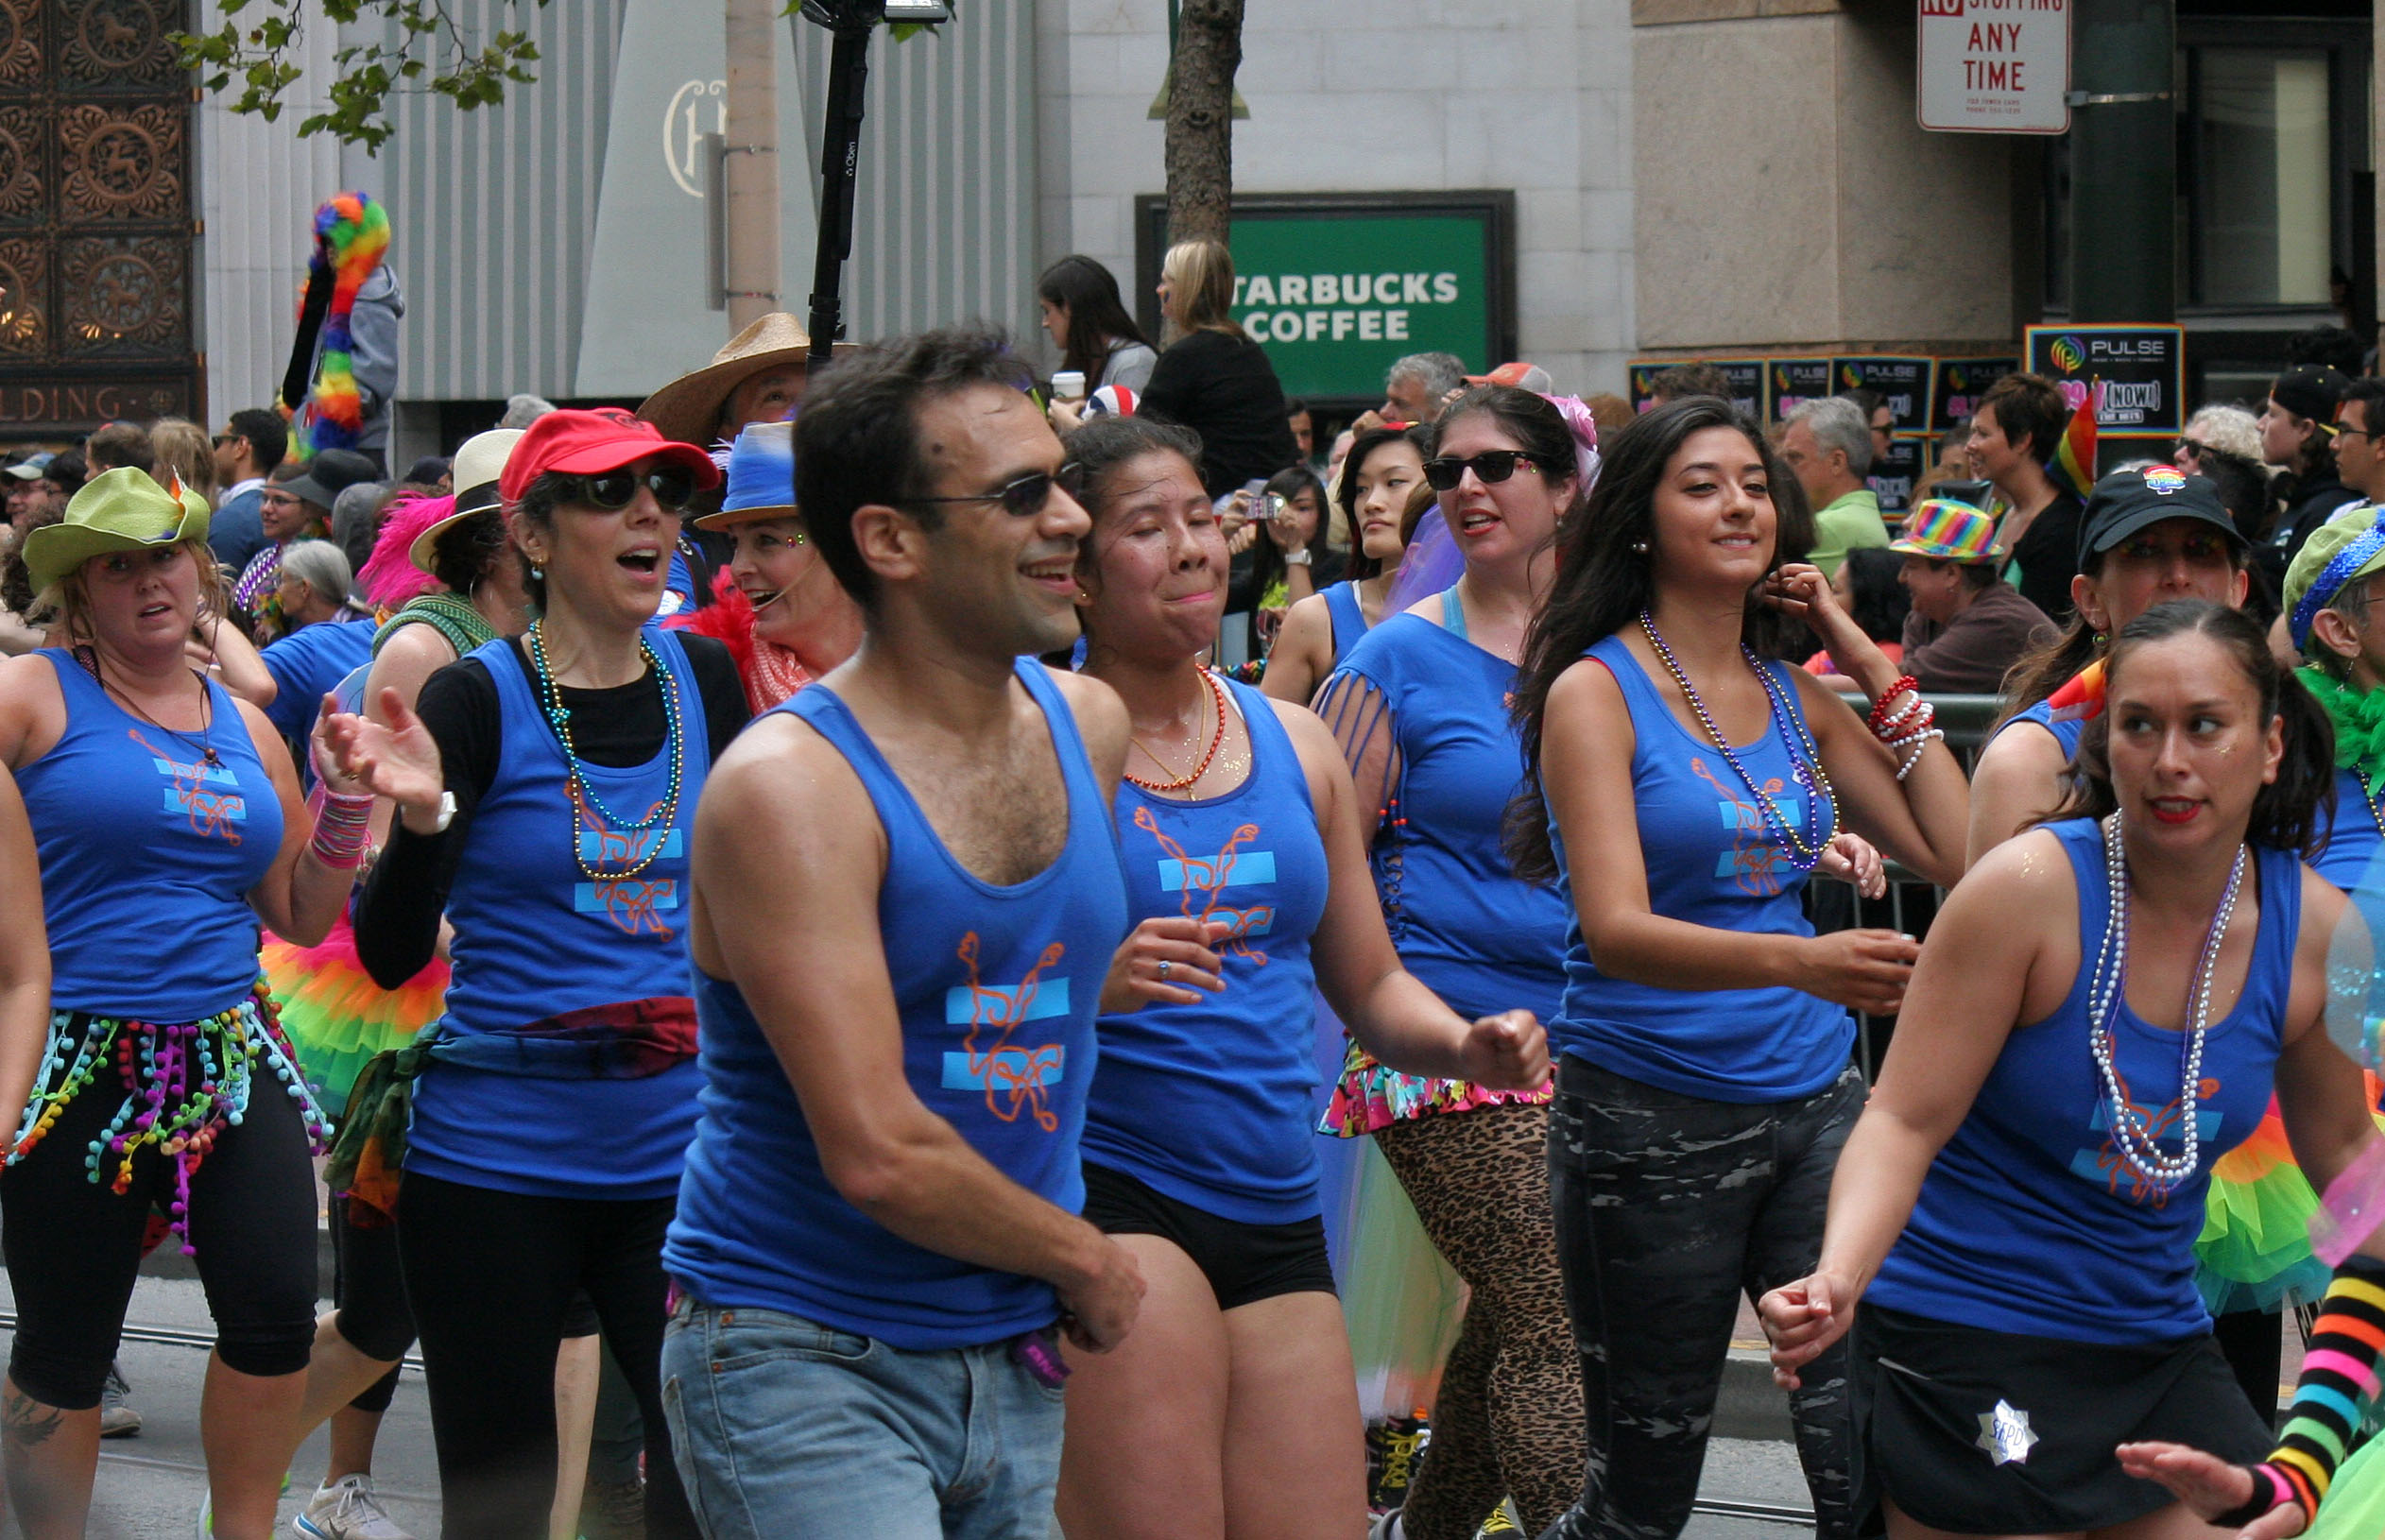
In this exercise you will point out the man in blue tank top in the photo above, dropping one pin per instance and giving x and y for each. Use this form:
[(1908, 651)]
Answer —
[(906, 902)]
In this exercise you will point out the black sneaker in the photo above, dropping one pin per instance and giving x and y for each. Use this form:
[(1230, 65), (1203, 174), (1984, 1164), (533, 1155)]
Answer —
[(1394, 1449)]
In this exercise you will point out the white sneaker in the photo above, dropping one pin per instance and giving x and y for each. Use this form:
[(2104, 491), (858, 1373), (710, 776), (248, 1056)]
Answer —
[(347, 1510)]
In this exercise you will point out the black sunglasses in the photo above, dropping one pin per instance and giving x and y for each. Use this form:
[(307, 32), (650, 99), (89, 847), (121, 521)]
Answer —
[(1492, 465), (614, 490), (1023, 498)]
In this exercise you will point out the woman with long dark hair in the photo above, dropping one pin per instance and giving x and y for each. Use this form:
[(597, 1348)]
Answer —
[(1419, 705), (1382, 491), (1087, 321), (1290, 557), (2099, 1015), (1680, 788)]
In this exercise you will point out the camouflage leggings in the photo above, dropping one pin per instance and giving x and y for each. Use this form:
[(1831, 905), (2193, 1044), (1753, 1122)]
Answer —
[(1669, 1208)]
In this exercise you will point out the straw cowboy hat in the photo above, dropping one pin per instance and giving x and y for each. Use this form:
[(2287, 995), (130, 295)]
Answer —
[(477, 468), (687, 408)]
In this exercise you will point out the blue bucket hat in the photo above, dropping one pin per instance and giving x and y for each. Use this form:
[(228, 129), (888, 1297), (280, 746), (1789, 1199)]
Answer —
[(761, 477)]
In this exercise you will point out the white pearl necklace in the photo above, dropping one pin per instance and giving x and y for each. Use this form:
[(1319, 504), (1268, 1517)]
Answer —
[(2130, 1132)]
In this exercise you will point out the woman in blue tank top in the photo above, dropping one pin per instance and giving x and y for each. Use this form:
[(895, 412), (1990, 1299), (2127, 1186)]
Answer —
[(545, 794), (2098, 1016), (1681, 787), (1380, 477), (2145, 538), (1419, 706), (1234, 1397), (168, 822)]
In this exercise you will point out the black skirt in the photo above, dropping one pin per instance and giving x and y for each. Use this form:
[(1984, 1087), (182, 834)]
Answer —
[(1991, 1433)]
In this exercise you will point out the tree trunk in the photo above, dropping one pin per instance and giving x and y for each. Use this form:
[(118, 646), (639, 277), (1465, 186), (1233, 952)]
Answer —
[(1200, 156), (750, 177)]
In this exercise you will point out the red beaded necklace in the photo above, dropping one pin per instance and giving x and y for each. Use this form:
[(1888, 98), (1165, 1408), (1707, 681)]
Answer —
[(1217, 697)]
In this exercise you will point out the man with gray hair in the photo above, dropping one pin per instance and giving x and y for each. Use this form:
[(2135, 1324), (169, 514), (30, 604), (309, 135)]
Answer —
[(1827, 445), (1418, 383)]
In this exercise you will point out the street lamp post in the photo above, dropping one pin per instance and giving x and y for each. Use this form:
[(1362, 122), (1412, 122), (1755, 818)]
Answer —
[(2124, 162)]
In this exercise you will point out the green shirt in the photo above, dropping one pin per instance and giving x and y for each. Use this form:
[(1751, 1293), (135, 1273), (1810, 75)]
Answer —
[(1847, 525)]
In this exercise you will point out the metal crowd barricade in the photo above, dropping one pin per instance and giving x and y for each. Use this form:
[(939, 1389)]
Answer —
[(1912, 901)]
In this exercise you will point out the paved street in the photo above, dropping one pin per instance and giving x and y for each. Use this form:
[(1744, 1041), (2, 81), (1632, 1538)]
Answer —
[(150, 1486)]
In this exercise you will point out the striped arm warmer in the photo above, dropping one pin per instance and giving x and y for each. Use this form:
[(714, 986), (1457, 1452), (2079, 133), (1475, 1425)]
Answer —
[(2339, 1383)]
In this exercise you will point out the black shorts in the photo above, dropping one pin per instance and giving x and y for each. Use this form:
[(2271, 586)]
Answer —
[(1245, 1263), (1990, 1432)]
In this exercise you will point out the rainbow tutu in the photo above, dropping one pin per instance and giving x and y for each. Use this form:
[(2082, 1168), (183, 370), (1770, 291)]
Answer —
[(336, 1018), (2255, 1250)]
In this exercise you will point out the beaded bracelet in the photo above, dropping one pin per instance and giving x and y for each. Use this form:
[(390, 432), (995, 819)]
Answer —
[(1920, 742), (1879, 717), (1917, 718), (341, 830)]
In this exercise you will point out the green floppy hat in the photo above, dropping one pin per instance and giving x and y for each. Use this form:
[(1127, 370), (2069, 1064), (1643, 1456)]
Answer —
[(117, 510)]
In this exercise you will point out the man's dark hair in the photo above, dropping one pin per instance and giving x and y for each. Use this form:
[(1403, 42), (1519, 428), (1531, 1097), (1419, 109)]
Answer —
[(2029, 409), (268, 436), (2333, 346), (116, 445), (2369, 390), (1293, 406), (857, 437), (1685, 380)]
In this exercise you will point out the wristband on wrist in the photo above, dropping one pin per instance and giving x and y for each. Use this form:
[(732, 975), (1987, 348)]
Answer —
[(341, 830)]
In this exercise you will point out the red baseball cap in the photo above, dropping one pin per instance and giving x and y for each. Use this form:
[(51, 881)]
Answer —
[(579, 443), (1516, 375)]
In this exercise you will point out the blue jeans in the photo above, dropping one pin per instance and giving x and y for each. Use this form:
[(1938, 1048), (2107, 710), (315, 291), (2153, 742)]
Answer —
[(783, 1428)]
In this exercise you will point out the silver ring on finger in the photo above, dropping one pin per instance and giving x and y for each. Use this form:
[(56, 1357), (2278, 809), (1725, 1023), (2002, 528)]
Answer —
[(1164, 965)]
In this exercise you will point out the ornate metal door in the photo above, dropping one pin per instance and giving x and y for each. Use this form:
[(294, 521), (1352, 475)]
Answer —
[(95, 223)]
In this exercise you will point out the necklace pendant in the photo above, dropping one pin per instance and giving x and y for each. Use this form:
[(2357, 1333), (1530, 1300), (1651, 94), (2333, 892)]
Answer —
[(212, 759)]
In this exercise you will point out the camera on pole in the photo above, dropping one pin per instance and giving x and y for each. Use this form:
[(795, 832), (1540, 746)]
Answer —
[(851, 21)]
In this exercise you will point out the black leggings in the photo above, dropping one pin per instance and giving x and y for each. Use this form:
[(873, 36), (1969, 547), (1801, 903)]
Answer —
[(1669, 1208), (492, 1276), (74, 1246), (369, 1285)]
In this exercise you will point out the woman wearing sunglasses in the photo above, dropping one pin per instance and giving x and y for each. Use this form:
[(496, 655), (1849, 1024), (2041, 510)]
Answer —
[(1420, 706), (543, 796)]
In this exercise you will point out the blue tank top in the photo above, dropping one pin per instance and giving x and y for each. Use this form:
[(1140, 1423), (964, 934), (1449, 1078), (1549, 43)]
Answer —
[(996, 989), (1209, 1102), (148, 854), (2066, 730), (2029, 1221), (1712, 861), (2352, 838), (1479, 937), (535, 937), (1347, 616)]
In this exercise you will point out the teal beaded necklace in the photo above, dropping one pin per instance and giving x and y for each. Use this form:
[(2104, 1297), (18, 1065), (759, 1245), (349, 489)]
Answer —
[(585, 801)]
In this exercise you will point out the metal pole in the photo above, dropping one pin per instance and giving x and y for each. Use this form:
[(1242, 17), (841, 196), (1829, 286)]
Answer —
[(840, 156), (2123, 162)]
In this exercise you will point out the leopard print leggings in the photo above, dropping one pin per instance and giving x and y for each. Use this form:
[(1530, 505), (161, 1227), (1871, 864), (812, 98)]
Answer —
[(1508, 1418)]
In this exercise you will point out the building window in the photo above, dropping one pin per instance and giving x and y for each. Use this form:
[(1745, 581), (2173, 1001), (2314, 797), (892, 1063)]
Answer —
[(2258, 125), (2272, 141)]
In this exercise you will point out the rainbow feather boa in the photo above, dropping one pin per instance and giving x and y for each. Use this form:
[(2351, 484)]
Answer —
[(351, 235)]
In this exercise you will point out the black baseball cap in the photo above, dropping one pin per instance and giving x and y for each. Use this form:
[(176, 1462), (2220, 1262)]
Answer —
[(2127, 501), (2311, 390)]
